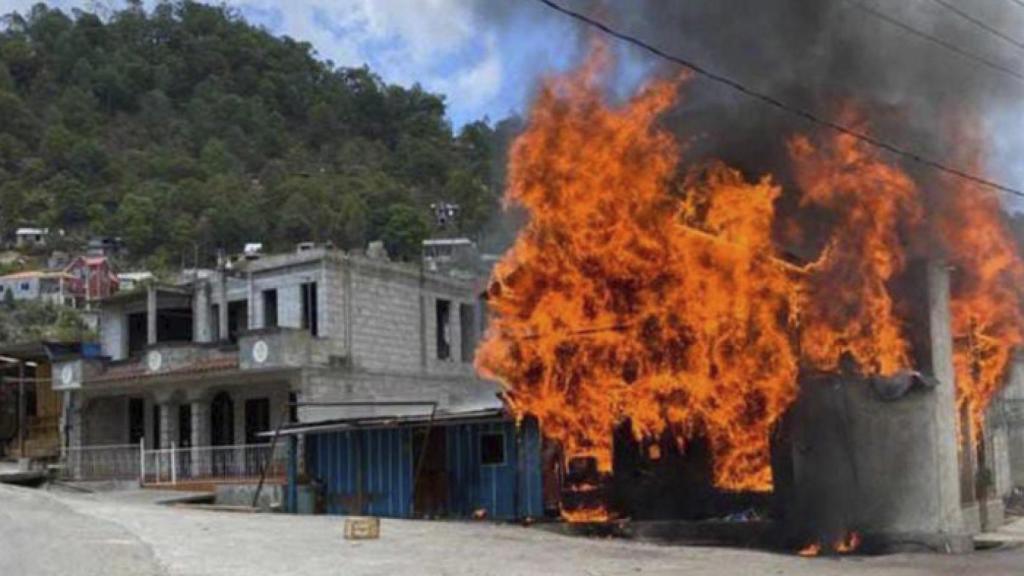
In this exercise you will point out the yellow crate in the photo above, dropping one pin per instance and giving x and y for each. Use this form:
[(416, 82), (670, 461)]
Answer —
[(362, 528)]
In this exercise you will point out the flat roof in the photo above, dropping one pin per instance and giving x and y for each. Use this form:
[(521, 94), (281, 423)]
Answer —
[(142, 292), (447, 242)]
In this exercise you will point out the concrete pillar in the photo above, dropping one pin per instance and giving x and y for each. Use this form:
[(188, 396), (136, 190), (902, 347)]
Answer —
[(252, 306), (168, 423), (147, 418), (222, 308), (1013, 411), (238, 404), (151, 315), (945, 412), (74, 406), (200, 435), (201, 324)]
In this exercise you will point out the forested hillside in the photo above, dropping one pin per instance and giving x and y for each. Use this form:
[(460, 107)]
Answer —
[(186, 129)]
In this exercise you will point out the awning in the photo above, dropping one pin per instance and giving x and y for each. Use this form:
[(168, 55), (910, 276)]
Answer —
[(39, 350), (394, 421)]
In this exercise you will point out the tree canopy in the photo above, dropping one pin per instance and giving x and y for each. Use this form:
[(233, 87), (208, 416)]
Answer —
[(185, 129)]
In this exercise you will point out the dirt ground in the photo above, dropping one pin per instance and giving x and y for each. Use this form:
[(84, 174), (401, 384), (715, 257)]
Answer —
[(122, 533)]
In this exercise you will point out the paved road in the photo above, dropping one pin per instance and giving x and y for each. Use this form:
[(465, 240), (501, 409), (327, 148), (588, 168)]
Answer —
[(45, 533), (40, 535)]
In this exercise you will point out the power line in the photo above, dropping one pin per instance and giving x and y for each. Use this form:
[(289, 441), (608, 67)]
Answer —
[(781, 105), (1018, 3), (980, 23), (860, 5)]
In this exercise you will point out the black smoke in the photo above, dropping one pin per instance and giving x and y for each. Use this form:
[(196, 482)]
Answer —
[(817, 55)]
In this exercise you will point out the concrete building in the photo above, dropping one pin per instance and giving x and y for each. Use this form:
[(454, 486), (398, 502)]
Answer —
[(130, 281), (214, 360), (31, 237)]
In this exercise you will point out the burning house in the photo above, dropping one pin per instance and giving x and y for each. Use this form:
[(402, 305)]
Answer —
[(824, 343)]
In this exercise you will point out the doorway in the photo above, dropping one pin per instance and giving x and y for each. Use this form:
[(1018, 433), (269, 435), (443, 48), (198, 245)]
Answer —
[(222, 420), (430, 499), (222, 433)]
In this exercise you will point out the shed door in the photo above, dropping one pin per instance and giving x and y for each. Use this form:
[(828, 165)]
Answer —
[(431, 496)]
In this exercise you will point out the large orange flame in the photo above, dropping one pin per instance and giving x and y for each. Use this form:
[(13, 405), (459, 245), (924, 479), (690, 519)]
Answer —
[(988, 286), (636, 294), (848, 309), (620, 302)]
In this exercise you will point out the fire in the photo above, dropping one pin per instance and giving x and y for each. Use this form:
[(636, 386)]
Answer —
[(810, 550), (619, 302), (579, 515), (849, 310), (847, 544), (639, 293), (986, 295)]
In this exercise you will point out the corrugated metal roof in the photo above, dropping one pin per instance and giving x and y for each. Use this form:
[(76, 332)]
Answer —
[(35, 274), (394, 421)]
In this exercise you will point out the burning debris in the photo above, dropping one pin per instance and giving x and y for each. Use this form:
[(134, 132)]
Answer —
[(845, 545), (668, 299)]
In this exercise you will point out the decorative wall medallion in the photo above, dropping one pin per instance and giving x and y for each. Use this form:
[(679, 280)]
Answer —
[(67, 375), (154, 360), (260, 352)]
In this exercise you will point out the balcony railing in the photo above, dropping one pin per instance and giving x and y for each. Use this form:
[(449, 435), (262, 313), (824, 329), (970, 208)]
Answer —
[(174, 465), (106, 462)]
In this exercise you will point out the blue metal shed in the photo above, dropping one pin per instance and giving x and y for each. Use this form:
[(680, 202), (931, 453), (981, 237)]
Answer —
[(454, 466)]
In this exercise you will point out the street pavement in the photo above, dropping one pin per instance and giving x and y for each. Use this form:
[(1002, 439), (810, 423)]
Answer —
[(121, 534)]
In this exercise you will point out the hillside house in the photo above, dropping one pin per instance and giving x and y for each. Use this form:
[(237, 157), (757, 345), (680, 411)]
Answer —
[(38, 285), (84, 280), (25, 238)]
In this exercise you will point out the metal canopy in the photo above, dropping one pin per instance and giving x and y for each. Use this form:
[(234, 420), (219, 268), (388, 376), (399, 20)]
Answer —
[(392, 421)]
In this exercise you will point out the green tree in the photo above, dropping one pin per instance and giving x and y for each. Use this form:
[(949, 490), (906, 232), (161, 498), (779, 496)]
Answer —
[(185, 128), (404, 231)]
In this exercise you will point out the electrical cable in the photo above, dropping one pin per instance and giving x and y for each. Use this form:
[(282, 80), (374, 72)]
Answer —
[(980, 24), (781, 105)]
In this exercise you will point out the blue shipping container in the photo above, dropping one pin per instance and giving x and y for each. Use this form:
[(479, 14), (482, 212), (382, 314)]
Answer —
[(492, 467)]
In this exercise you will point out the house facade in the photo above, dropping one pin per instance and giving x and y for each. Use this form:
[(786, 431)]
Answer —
[(224, 356), (53, 287), (81, 282), (91, 278)]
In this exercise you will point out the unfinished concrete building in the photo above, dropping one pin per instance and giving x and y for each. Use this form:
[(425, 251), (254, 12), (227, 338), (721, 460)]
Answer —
[(207, 365)]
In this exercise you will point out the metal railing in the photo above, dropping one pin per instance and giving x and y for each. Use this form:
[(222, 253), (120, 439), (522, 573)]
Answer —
[(105, 462), (173, 465), (212, 463)]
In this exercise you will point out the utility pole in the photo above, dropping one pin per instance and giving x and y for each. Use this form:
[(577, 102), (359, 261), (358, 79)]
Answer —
[(21, 409)]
